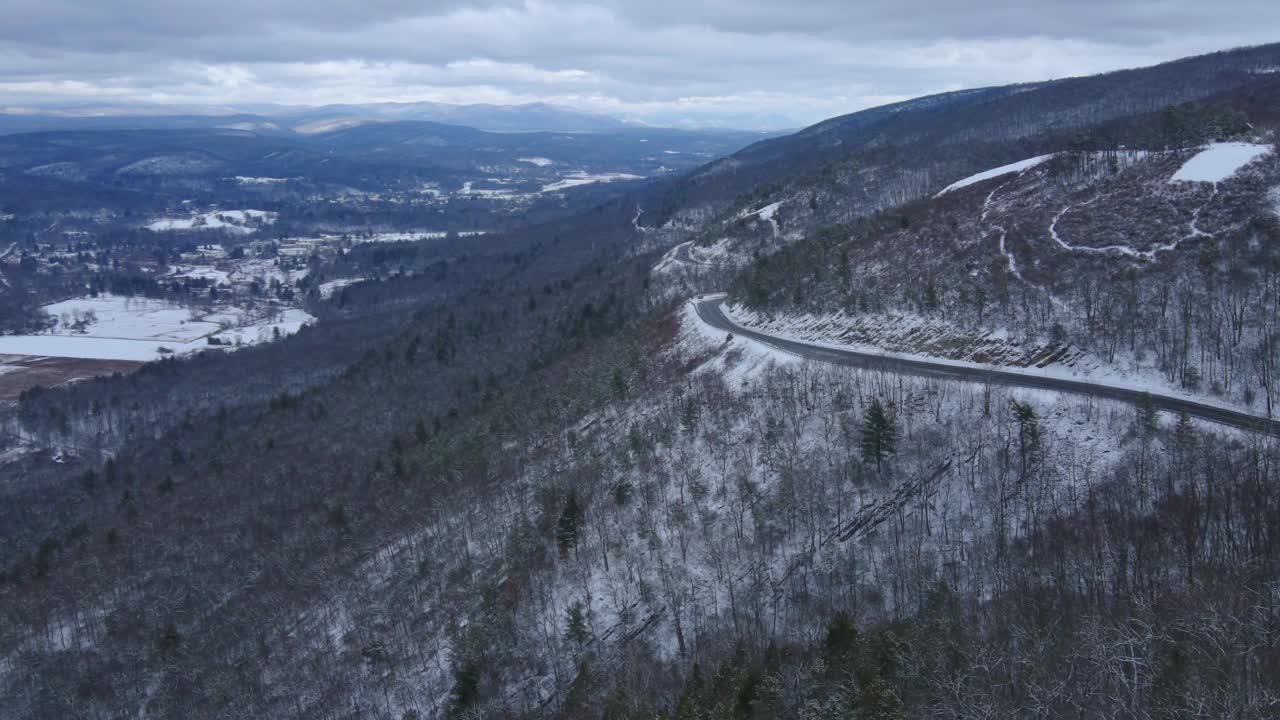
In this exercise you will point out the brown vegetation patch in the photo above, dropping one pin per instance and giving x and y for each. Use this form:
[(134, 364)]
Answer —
[(22, 372)]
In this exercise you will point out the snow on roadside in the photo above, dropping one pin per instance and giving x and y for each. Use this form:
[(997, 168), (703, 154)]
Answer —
[(826, 331), (738, 359), (1019, 167), (1219, 161)]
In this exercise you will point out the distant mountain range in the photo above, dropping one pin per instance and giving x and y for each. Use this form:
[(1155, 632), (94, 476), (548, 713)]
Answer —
[(494, 118)]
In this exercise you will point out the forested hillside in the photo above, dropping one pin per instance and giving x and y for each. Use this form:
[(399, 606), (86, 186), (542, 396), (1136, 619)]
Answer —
[(879, 158), (521, 478), (1099, 262)]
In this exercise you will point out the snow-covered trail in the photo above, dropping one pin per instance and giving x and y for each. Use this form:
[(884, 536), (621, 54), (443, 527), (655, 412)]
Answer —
[(1102, 250), (1008, 256), (1004, 234), (1125, 250)]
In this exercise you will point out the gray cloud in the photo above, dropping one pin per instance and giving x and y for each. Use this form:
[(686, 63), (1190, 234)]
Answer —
[(662, 60)]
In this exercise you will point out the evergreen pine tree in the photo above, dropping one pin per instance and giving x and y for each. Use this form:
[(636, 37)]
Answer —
[(841, 646), (879, 434), (619, 385), (1147, 420), (878, 701), (576, 625), (1028, 432), (567, 526)]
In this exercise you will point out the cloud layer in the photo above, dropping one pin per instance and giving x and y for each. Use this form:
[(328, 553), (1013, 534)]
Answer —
[(743, 62)]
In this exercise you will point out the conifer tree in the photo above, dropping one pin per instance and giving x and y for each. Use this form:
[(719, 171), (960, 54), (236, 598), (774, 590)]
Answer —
[(1028, 432), (567, 527), (879, 434), (576, 625), (878, 701)]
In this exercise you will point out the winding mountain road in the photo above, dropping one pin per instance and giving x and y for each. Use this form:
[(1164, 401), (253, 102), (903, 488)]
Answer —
[(709, 310)]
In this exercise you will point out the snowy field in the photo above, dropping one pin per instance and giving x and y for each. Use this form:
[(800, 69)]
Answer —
[(126, 318), (581, 178), (327, 289), (112, 327), (201, 272), (1219, 161), (241, 222), (87, 348), (1018, 167), (413, 236)]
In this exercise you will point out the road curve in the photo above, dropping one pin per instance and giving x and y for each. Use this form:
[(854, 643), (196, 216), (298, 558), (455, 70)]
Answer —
[(710, 311), (682, 255)]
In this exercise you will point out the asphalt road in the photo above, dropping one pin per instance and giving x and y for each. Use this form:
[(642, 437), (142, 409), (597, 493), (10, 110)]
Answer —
[(710, 312)]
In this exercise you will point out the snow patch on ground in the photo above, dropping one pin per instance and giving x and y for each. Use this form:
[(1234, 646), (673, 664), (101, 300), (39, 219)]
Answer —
[(413, 236), (201, 272), (127, 318), (768, 211), (167, 165), (1219, 161), (1018, 167), (490, 193), (287, 323), (327, 289), (582, 178), (241, 222), (539, 161), (89, 348), (115, 327)]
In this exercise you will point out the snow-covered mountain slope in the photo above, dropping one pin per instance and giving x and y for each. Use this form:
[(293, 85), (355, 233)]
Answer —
[(884, 156), (1017, 167), (1147, 267)]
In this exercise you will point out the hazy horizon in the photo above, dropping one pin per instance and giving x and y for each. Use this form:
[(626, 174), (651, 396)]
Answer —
[(754, 65)]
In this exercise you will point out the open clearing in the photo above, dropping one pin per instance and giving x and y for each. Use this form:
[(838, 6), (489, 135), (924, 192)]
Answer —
[(20, 372), (114, 327)]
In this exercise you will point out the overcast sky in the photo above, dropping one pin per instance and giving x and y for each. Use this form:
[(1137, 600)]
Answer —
[(738, 62)]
